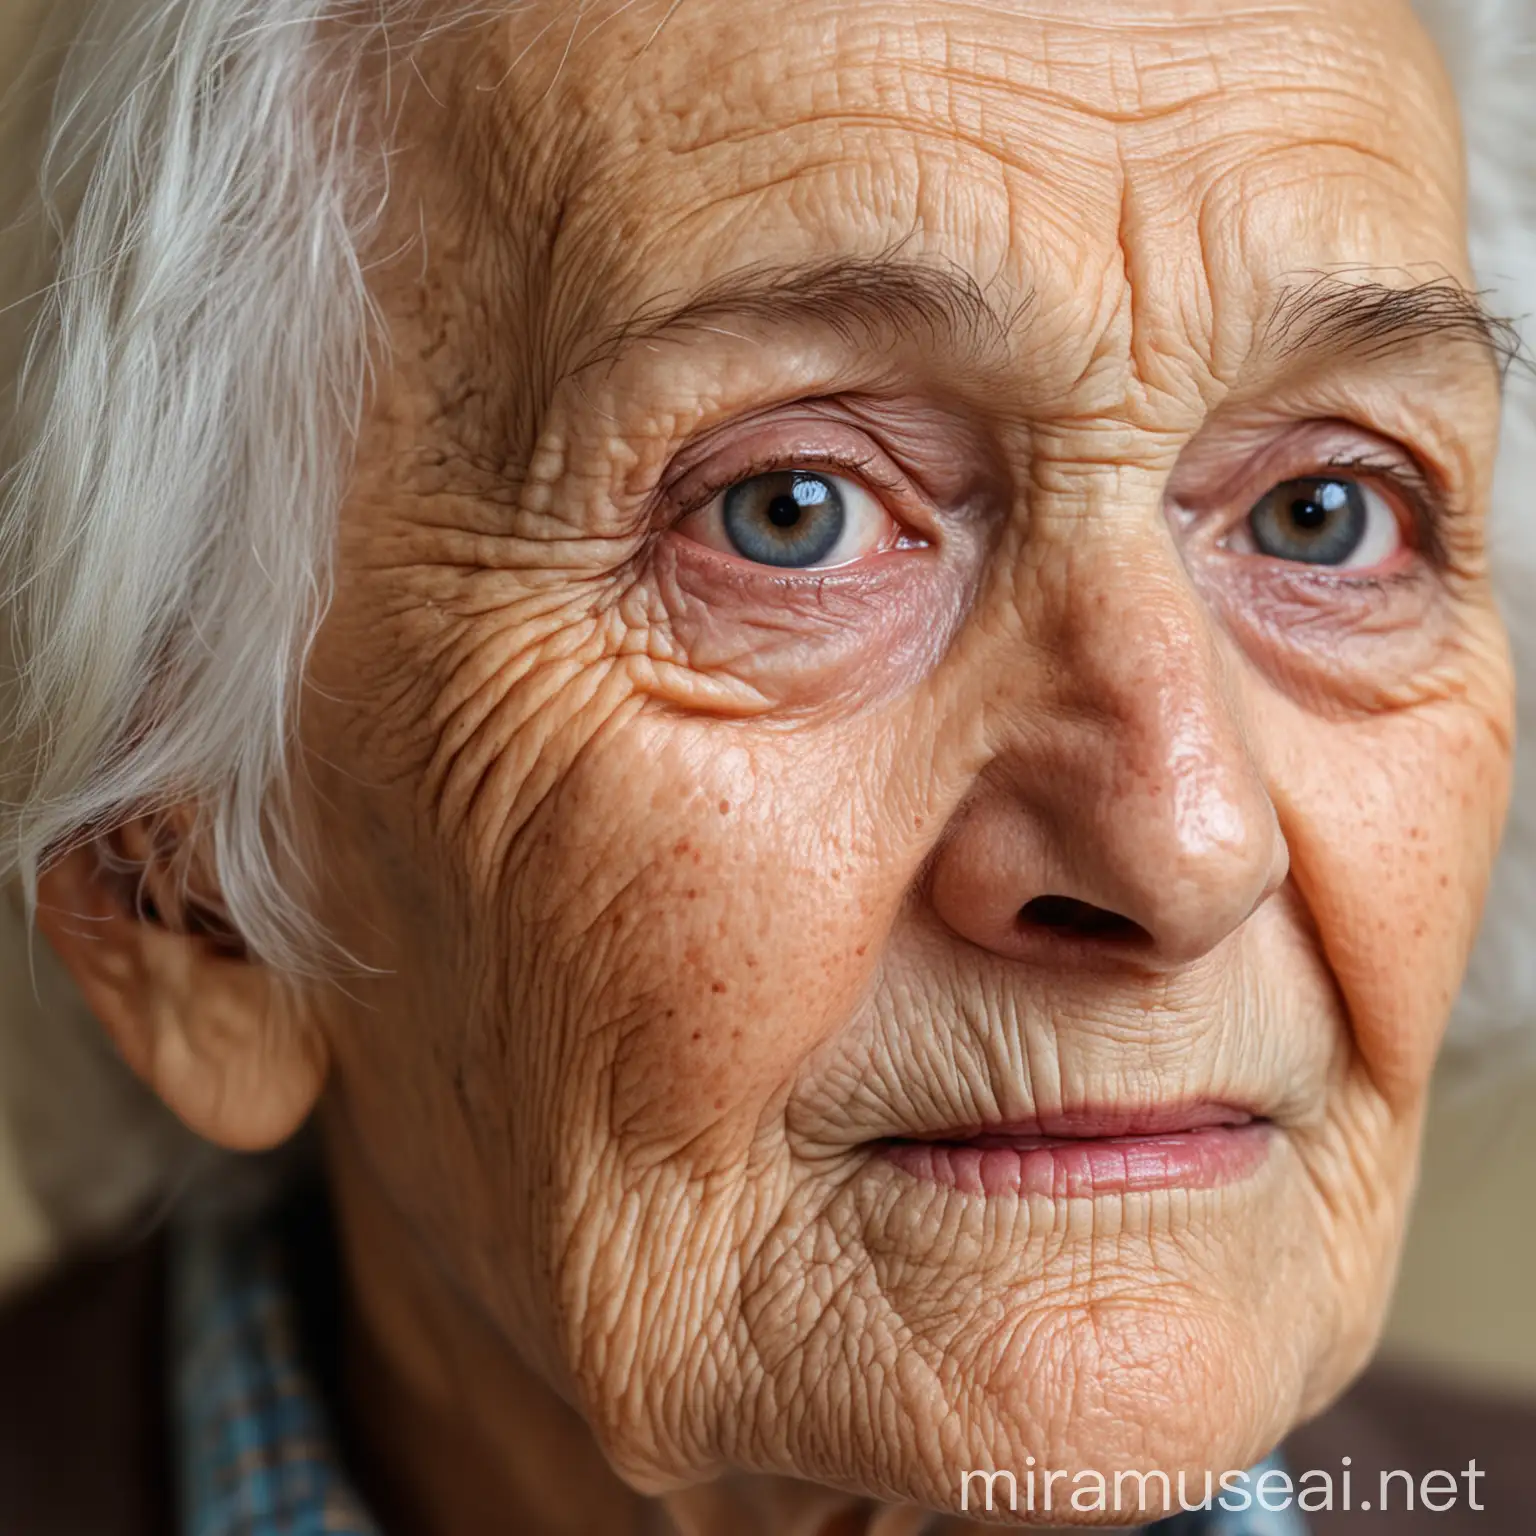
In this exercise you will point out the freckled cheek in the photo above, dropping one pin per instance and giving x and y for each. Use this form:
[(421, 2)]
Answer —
[(1409, 899), (725, 940), (750, 979)]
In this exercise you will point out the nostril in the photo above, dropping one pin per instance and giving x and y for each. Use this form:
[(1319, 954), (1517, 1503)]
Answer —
[(1078, 919)]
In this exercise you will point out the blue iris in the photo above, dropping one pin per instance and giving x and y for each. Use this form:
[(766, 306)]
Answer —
[(1319, 522), (788, 518)]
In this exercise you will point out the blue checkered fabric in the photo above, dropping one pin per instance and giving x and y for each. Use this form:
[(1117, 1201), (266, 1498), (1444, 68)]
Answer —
[(257, 1456)]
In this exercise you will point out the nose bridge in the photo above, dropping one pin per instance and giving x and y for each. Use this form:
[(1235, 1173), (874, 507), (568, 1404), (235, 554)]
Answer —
[(1152, 682), (1154, 800)]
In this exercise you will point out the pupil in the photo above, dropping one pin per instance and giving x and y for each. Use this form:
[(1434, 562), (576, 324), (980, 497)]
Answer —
[(784, 512), (1308, 515), (1311, 513)]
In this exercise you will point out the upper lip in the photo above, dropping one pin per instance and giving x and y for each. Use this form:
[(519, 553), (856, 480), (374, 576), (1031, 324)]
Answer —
[(1096, 1123)]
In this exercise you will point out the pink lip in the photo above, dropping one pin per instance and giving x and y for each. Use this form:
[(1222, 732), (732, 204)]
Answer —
[(1092, 1152)]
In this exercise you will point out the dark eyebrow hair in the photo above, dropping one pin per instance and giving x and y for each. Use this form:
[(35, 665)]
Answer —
[(1341, 312), (860, 296), (853, 296)]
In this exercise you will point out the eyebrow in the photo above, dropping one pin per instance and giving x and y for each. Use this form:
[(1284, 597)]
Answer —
[(853, 296), (856, 297), (1338, 312)]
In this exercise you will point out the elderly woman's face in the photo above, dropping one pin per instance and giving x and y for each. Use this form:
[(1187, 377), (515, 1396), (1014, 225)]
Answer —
[(913, 718)]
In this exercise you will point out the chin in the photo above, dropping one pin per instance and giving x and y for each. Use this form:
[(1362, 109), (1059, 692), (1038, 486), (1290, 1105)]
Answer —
[(1167, 1330)]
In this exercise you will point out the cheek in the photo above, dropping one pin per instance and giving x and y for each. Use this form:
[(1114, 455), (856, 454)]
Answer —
[(1392, 825), (710, 914)]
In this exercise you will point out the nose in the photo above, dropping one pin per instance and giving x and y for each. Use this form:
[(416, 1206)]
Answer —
[(1118, 809)]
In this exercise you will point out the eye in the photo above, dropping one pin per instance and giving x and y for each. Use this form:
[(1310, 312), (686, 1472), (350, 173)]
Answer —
[(794, 519), (1329, 521)]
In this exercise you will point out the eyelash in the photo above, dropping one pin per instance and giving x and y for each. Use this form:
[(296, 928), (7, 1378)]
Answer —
[(864, 467), (1428, 508)]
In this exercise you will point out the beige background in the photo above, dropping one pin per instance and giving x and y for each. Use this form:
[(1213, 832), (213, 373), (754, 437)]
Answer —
[(1467, 1296), (23, 1238)]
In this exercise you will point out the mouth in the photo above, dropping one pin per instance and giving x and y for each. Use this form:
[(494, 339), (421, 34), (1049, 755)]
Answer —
[(1089, 1152)]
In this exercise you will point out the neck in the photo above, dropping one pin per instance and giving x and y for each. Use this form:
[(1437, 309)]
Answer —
[(447, 1432)]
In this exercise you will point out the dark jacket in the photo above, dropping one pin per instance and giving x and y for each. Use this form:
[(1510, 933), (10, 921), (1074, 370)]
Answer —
[(84, 1447)]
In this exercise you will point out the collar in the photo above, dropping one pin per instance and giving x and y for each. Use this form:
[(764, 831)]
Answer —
[(257, 1451)]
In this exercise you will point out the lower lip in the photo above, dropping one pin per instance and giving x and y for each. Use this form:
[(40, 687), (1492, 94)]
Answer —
[(1068, 1168)]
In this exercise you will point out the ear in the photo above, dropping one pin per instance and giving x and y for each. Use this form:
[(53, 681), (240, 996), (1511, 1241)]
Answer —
[(220, 1037)]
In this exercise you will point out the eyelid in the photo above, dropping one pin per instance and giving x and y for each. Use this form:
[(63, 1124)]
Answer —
[(883, 481), (1315, 449)]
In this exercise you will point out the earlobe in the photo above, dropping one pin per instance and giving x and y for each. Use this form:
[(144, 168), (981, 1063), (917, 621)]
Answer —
[(223, 1040)]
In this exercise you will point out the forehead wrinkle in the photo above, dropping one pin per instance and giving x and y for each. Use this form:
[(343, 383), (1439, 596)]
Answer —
[(886, 70), (1133, 71), (584, 151), (881, 89)]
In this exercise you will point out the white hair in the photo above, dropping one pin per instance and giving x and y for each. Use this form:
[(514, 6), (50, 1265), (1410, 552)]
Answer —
[(182, 408), (196, 363)]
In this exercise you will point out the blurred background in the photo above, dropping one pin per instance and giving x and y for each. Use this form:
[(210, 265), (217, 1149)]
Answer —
[(1466, 1301)]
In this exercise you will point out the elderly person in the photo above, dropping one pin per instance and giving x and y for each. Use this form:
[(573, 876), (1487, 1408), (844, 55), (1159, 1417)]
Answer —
[(819, 681)]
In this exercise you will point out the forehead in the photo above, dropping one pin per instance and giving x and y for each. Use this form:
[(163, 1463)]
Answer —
[(1187, 153)]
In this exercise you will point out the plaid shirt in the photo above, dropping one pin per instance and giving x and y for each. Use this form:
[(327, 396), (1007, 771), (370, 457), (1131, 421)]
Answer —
[(257, 1453)]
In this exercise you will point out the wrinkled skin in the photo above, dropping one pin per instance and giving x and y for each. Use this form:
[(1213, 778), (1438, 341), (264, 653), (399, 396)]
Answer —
[(688, 880)]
